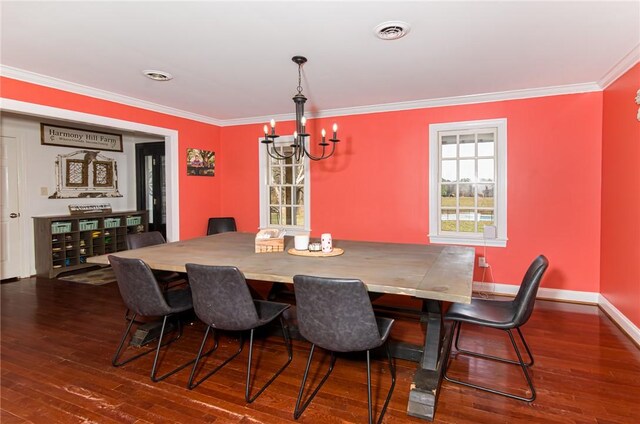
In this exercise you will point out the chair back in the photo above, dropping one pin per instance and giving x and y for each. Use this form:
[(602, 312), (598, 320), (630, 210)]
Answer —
[(528, 290), (221, 297), (138, 287), (151, 238), (221, 225), (335, 313)]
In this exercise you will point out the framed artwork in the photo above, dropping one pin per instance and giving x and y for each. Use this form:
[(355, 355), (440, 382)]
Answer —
[(85, 173), (201, 162)]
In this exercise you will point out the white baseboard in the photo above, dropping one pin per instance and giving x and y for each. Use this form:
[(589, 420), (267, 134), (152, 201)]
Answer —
[(623, 322), (571, 296)]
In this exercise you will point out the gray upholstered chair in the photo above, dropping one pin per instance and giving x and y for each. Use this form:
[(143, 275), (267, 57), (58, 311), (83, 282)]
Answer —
[(221, 299), (142, 295), (221, 225), (502, 315), (336, 314), (153, 238)]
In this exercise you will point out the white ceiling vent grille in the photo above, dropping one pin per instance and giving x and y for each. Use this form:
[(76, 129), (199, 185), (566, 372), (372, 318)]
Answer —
[(391, 30)]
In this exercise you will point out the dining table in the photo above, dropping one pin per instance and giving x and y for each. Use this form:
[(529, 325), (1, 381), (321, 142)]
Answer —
[(433, 274)]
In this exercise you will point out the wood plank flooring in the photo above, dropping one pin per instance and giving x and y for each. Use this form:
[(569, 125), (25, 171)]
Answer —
[(57, 339)]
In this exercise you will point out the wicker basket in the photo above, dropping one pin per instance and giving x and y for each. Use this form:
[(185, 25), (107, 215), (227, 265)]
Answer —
[(270, 240)]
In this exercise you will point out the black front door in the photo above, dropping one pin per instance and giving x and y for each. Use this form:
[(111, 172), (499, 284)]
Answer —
[(150, 184)]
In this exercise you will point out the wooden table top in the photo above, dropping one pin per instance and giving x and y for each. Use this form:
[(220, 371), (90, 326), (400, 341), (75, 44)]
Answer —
[(424, 271)]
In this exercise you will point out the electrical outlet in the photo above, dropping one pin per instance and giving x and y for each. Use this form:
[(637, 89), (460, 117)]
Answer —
[(482, 262), (44, 191)]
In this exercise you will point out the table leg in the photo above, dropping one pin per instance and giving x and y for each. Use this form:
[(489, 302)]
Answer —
[(423, 396)]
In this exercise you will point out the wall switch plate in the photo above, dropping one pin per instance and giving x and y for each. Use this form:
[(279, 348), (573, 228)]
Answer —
[(44, 191), (482, 262)]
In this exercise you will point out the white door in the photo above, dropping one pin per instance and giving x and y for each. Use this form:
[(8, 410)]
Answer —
[(10, 243)]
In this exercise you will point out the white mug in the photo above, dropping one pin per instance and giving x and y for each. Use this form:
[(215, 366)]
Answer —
[(301, 242), (327, 244)]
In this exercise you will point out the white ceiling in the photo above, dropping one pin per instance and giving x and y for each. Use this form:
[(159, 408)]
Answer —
[(232, 60)]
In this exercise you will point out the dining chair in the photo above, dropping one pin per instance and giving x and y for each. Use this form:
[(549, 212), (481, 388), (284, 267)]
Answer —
[(501, 315), (142, 296), (221, 299), (153, 238), (221, 225), (336, 315)]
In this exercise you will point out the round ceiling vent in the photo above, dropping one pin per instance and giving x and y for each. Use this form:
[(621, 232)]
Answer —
[(157, 75), (392, 30)]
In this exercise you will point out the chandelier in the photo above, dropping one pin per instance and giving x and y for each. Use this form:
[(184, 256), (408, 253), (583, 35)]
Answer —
[(299, 149)]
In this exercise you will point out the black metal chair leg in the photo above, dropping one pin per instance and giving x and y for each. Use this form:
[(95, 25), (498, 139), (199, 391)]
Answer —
[(285, 334), (392, 371), (297, 412), (191, 385), (115, 362), (520, 362), (495, 358), (154, 370), (369, 388)]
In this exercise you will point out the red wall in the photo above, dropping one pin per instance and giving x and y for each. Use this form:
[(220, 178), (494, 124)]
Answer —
[(376, 186), (620, 251), (199, 196)]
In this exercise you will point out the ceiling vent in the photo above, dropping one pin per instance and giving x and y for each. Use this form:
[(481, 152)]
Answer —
[(391, 30), (157, 75)]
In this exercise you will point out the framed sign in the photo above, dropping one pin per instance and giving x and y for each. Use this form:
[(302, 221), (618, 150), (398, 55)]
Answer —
[(70, 137)]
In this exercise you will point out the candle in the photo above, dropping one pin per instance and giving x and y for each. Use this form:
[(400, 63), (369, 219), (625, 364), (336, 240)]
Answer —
[(273, 123), (324, 133), (335, 131), (303, 122), (266, 131)]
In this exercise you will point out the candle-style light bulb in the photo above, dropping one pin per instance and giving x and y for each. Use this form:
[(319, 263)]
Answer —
[(303, 121), (266, 130), (295, 135), (324, 133), (335, 131), (273, 123)]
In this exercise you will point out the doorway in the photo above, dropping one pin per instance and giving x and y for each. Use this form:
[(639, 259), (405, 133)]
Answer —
[(10, 221), (151, 188)]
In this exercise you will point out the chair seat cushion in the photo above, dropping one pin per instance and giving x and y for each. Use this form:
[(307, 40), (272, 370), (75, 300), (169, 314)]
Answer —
[(384, 327), (179, 300), (268, 311), (485, 312)]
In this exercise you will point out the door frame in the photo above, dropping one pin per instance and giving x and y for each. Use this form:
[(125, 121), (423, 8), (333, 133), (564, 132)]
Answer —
[(140, 185), (171, 138)]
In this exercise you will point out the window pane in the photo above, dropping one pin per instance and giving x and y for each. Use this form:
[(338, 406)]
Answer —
[(485, 217), (299, 214), (486, 170), (274, 216), (288, 174), (467, 145), (486, 144), (299, 172), (467, 221), (467, 196), (467, 170), (286, 195), (449, 146), (448, 220), (275, 177), (299, 200), (287, 216), (449, 170), (485, 195), (448, 193), (274, 196)]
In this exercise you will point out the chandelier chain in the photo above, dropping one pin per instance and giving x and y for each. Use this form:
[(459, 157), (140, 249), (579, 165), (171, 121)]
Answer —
[(299, 79)]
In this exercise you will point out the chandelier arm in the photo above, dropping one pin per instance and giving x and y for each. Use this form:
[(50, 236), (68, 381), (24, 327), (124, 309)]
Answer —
[(278, 155), (316, 158)]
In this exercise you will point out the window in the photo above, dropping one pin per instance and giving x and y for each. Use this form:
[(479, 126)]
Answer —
[(468, 182), (284, 190)]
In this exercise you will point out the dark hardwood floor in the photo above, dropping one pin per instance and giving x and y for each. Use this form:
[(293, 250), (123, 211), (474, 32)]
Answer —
[(58, 338)]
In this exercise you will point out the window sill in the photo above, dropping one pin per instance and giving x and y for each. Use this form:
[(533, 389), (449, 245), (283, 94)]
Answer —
[(289, 231), (468, 241)]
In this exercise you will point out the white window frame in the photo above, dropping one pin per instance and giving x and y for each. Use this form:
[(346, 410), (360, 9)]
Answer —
[(472, 239), (264, 192)]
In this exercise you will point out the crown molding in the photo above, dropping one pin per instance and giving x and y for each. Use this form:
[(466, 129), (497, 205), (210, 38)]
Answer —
[(621, 67), (44, 80), (423, 104)]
